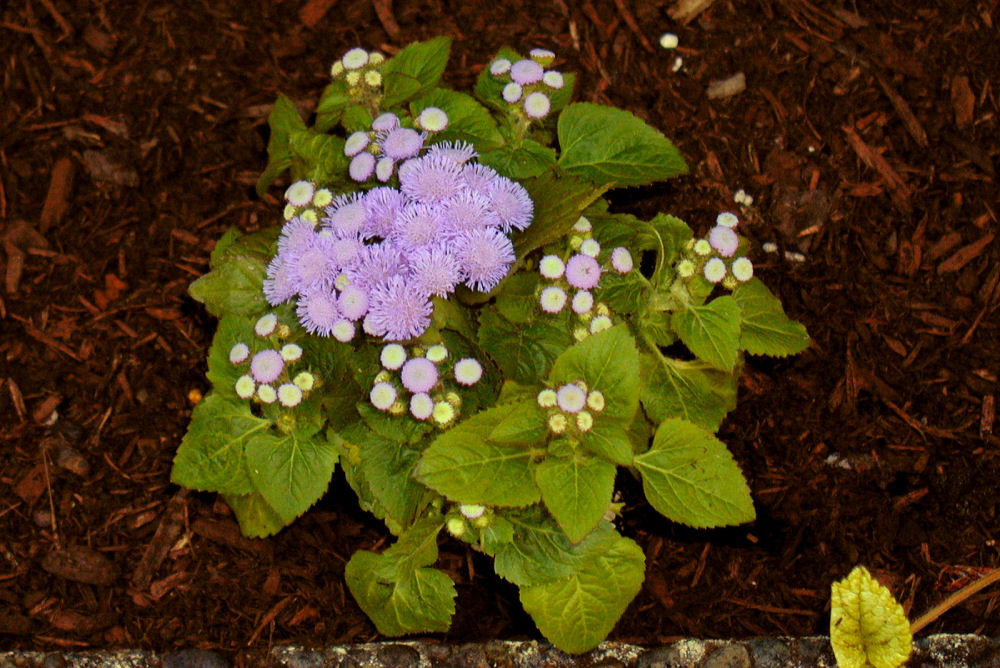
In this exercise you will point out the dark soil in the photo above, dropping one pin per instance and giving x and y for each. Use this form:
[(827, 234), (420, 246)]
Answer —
[(130, 138)]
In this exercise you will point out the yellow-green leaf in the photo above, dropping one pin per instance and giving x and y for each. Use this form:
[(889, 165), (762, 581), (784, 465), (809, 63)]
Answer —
[(867, 625)]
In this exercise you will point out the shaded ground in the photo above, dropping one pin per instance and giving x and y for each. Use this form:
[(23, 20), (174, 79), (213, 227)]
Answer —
[(131, 135)]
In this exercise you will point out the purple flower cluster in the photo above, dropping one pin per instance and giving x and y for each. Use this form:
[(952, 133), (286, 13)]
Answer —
[(378, 257), (528, 82), (388, 144)]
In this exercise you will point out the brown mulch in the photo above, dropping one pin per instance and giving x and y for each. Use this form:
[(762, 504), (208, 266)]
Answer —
[(130, 138)]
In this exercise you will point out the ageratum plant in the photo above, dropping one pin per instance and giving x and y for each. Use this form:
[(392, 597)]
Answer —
[(452, 312)]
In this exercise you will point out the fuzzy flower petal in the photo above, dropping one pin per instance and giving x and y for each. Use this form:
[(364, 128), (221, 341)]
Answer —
[(583, 302), (552, 299), (554, 80), (512, 92), (266, 366), (239, 353), (382, 206), (279, 283), (352, 302), (346, 216), (571, 398), (418, 374), (621, 260), (468, 371), (537, 105), (382, 396), (727, 219), (317, 311), (385, 122), (417, 225), (526, 72), (392, 356), (361, 167), (431, 179), (435, 271), (355, 59), (265, 324), (356, 143), (421, 405), (343, 330), (457, 151), (433, 119), (724, 240), (551, 267), (245, 387), (402, 143), (511, 203), (289, 395), (400, 309), (742, 269), (300, 193), (485, 256), (499, 67), (583, 271)]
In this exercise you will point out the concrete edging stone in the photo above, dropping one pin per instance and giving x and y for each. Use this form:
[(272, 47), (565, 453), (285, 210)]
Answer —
[(936, 651)]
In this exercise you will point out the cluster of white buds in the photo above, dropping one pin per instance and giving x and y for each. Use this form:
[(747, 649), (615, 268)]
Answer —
[(571, 407), (305, 200), (714, 257), (362, 72), (411, 381), (575, 273), (462, 516), (743, 198), (528, 84), (270, 378)]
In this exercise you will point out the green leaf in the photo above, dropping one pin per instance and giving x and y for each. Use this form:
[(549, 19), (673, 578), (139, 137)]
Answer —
[(624, 293), (578, 612), (524, 352), (467, 467), (317, 157), (283, 119), (611, 146), (211, 454), (539, 551), (380, 471), (693, 390), (609, 439), (416, 547), (401, 429), (331, 105), (291, 474), (608, 362), (524, 425), (236, 282), (256, 518), (415, 69), (520, 159), (467, 119), (689, 476), (559, 202), (516, 301), (228, 238), (222, 373), (663, 235), (868, 627), (499, 533), (766, 329), (419, 600), (577, 491), (356, 117), (711, 331)]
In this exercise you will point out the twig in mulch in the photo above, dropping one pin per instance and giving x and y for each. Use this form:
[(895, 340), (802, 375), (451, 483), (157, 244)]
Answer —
[(904, 112), (16, 239), (313, 11), (955, 599), (57, 199), (383, 9), (686, 10), (170, 528), (633, 25), (899, 192), (965, 255)]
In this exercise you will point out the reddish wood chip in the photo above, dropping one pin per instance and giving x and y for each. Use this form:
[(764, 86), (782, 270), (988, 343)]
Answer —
[(963, 100), (31, 486), (57, 199), (314, 11), (965, 255), (78, 622), (80, 564)]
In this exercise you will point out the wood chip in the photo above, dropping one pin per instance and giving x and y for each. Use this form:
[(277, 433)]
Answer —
[(899, 192), (685, 10), (987, 416), (965, 255), (963, 100), (313, 11), (904, 112), (170, 528), (383, 9), (733, 85), (80, 564), (57, 199)]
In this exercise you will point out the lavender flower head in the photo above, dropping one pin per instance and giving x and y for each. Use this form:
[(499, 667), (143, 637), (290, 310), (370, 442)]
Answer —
[(457, 151), (435, 271), (399, 309), (485, 256), (431, 179), (266, 366), (317, 311), (402, 143), (583, 271), (345, 217), (418, 375), (511, 203), (361, 167)]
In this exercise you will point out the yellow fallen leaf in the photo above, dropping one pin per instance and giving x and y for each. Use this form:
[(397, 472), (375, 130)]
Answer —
[(867, 625)]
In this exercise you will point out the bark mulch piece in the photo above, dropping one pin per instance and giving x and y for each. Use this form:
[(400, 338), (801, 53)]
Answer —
[(131, 135)]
